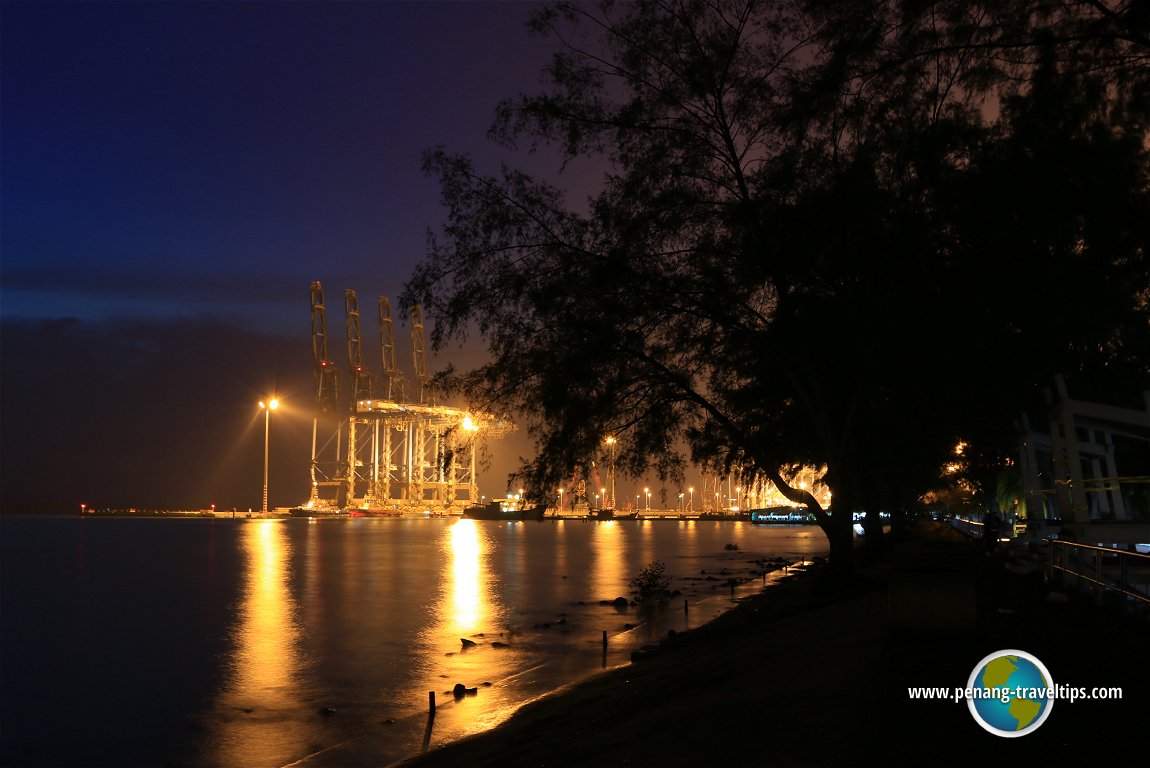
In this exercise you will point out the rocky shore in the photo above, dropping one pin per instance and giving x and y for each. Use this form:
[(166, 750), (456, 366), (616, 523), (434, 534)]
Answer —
[(816, 672)]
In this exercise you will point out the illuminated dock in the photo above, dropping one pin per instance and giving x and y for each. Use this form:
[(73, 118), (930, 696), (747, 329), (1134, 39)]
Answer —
[(374, 449)]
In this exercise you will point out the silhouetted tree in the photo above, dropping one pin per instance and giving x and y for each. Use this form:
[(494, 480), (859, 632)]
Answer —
[(784, 262)]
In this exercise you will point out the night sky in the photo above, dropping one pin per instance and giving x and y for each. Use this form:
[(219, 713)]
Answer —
[(174, 175)]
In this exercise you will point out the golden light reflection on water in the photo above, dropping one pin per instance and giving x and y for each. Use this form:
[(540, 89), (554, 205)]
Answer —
[(261, 696), (647, 542), (689, 534), (609, 562), (467, 608), (560, 548), (467, 588)]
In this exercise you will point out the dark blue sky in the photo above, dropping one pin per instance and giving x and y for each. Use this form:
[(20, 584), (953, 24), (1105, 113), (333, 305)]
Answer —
[(174, 159), (173, 177)]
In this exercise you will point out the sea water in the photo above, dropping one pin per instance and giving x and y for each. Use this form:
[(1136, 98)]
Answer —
[(201, 642)]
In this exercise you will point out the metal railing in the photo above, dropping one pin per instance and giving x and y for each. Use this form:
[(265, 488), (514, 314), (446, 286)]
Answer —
[(1116, 570), (971, 528)]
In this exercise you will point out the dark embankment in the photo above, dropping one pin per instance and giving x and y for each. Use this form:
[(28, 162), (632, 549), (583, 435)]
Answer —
[(812, 673)]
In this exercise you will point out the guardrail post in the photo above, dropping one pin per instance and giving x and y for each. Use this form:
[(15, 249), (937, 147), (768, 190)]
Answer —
[(1079, 568), (1098, 575)]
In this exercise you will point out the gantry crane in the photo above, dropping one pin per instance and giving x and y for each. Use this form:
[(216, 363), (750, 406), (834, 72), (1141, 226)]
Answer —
[(361, 391), (327, 398), (412, 455)]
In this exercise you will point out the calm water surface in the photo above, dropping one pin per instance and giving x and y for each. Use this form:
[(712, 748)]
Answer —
[(287, 642)]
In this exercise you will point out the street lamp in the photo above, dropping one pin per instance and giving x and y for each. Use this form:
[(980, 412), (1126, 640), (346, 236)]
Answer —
[(611, 467), (560, 499), (648, 492), (267, 408), (692, 490)]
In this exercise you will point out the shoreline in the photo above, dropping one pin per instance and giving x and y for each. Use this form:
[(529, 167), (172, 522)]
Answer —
[(208, 514), (666, 683), (641, 641), (289, 513), (810, 673), (355, 645)]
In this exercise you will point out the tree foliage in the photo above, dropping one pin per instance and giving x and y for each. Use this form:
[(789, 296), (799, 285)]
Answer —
[(829, 233)]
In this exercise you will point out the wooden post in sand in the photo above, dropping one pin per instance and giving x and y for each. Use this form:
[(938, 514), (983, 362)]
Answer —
[(430, 720)]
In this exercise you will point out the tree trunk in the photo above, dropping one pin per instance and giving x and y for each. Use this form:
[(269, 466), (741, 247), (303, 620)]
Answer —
[(835, 522), (838, 528), (872, 526)]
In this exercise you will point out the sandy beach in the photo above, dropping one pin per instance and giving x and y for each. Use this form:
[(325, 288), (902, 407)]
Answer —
[(809, 673)]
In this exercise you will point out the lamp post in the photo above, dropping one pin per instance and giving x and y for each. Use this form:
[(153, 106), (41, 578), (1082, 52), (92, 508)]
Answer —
[(648, 492), (692, 504), (267, 408), (560, 500), (611, 468)]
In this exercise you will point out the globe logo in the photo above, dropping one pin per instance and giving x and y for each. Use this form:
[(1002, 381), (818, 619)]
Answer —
[(1010, 693)]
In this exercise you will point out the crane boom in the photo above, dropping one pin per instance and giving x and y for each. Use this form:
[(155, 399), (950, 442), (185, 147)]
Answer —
[(394, 387), (326, 375), (361, 378), (420, 356)]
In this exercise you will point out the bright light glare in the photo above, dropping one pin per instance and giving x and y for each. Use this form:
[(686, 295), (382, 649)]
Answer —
[(274, 404), (465, 560)]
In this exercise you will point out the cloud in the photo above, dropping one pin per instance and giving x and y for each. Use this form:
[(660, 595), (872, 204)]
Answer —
[(178, 287)]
